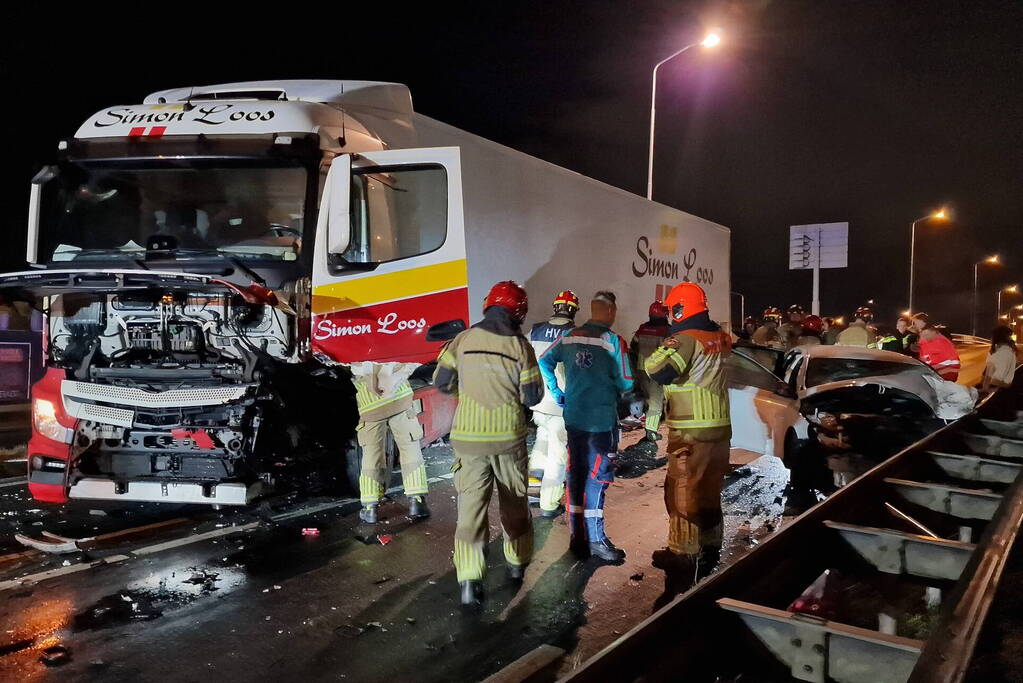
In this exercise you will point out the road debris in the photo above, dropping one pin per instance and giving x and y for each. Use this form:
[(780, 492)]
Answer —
[(385, 539), (55, 655)]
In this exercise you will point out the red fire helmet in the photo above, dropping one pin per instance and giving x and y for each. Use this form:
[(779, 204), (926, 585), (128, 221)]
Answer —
[(509, 295)]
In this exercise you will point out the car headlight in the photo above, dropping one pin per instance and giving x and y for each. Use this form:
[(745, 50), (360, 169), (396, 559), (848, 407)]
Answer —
[(44, 420)]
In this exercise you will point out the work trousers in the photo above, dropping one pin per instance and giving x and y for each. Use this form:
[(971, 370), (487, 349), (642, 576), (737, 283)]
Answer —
[(550, 454), (376, 472), (590, 471), (654, 401), (475, 479), (692, 492)]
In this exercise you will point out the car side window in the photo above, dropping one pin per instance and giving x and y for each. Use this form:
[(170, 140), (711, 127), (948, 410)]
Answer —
[(745, 372)]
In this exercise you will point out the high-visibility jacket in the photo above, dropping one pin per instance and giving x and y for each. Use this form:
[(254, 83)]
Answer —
[(691, 366), (940, 353), (542, 337), (493, 371), (857, 334), (597, 372), (645, 342), (767, 336)]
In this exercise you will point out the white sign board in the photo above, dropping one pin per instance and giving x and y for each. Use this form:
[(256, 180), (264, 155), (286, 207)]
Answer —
[(819, 245)]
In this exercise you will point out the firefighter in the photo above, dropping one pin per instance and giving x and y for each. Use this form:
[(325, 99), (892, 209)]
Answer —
[(384, 398), (597, 373), (791, 330), (767, 334), (857, 333), (645, 341), (492, 370), (550, 450), (939, 352), (812, 331), (691, 366)]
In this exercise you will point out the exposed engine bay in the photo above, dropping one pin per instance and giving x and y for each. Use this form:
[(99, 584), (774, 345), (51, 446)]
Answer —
[(854, 428), (206, 387)]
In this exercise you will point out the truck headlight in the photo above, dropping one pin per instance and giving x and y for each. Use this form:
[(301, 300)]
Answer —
[(44, 420)]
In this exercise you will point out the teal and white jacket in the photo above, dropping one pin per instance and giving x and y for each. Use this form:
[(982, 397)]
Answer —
[(597, 372)]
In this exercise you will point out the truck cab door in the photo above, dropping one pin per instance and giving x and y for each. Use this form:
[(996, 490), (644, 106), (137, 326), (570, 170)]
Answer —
[(389, 256)]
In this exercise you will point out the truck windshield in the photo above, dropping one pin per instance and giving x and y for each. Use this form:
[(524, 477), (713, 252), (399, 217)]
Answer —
[(242, 208)]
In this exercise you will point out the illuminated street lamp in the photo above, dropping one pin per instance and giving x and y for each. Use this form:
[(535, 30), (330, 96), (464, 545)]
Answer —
[(1009, 289), (991, 261), (712, 39), (939, 215)]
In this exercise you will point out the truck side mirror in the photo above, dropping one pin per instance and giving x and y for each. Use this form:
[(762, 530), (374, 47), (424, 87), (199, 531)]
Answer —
[(445, 331), (335, 208)]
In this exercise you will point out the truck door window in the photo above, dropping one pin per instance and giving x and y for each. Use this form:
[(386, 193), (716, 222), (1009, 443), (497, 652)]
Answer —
[(397, 212)]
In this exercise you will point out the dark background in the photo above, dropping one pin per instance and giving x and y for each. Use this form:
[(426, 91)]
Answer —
[(872, 112)]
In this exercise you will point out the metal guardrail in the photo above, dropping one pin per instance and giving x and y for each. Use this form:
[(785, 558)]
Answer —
[(935, 521)]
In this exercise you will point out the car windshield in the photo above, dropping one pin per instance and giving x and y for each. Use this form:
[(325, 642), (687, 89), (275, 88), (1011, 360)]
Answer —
[(825, 370), (247, 208)]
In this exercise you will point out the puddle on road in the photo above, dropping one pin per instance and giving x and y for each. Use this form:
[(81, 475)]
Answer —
[(156, 594)]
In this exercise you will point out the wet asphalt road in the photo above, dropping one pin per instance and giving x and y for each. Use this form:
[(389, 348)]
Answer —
[(271, 602)]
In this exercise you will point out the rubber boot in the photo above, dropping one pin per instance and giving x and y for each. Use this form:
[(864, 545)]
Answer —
[(472, 592), (417, 508), (368, 513), (651, 435), (606, 550), (553, 514)]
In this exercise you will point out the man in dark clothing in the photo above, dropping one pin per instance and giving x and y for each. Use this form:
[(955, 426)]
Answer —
[(644, 342)]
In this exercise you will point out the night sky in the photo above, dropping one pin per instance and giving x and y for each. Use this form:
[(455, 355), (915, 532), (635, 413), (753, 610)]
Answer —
[(811, 111)]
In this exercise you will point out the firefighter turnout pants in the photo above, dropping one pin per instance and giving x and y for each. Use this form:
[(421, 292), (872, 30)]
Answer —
[(376, 472), (654, 402), (475, 479), (590, 471), (550, 454), (692, 492)]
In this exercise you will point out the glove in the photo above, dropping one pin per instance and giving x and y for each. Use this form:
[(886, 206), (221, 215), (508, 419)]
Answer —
[(559, 398)]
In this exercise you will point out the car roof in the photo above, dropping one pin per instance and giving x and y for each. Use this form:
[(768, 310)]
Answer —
[(855, 353)]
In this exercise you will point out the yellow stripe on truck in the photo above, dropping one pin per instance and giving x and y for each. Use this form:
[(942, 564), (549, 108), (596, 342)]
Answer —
[(366, 291)]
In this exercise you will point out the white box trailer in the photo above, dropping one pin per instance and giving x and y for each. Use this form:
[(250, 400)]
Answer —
[(212, 259)]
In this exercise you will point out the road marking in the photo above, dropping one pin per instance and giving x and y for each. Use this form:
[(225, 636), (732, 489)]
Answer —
[(32, 579), (188, 540)]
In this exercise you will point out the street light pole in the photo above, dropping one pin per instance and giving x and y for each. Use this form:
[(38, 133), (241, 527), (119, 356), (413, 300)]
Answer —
[(710, 40), (993, 260), (1011, 289), (742, 307), (912, 248)]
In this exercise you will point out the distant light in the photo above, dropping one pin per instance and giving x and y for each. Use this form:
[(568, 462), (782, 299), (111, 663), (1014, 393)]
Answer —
[(907, 313), (1018, 307), (1012, 289), (940, 215), (870, 301), (992, 259), (711, 40)]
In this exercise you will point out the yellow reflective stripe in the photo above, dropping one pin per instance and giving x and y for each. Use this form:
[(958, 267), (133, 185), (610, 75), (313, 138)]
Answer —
[(367, 400), (683, 424), (416, 484), (370, 490), (520, 550), (364, 291), (447, 359), (529, 375), (470, 563)]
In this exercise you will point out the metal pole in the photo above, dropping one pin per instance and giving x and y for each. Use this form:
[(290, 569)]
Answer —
[(912, 252), (815, 304), (973, 312), (653, 118), (998, 308), (742, 306)]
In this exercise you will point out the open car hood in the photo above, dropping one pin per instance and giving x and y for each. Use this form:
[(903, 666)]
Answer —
[(913, 384)]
